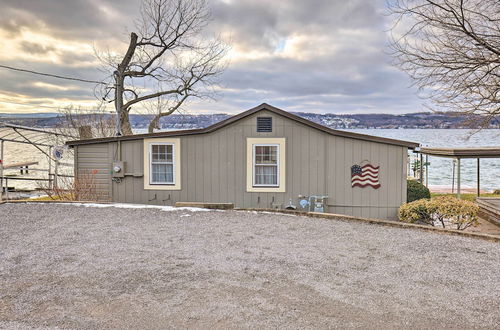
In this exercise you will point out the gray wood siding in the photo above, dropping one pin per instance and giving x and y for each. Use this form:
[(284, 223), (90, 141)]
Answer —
[(214, 169), (95, 160)]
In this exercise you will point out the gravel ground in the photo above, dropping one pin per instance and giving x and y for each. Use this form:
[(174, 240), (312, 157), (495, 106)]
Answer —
[(66, 266)]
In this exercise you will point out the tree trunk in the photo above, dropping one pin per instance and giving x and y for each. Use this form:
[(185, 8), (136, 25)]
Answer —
[(123, 122), (119, 102), (154, 124), (126, 128)]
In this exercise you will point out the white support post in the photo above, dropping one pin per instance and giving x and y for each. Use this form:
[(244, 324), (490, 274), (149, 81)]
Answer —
[(427, 171), (50, 169), (421, 175), (453, 177), (458, 177), (408, 165), (478, 178), (56, 166)]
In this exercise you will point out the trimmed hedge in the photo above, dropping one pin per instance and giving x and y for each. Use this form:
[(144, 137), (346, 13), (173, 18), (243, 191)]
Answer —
[(443, 210), (419, 211), (415, 191)]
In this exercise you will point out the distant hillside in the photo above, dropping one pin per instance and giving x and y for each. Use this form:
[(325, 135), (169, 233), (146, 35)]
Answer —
[(177, 121), (410, 120)]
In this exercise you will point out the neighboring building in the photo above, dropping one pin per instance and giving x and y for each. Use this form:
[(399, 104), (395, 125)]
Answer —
[(260, 158)]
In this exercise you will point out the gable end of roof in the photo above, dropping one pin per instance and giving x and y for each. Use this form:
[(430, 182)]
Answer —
[(235, 118)]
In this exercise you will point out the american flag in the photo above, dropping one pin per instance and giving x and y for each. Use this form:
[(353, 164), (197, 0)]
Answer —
[(366, 175)]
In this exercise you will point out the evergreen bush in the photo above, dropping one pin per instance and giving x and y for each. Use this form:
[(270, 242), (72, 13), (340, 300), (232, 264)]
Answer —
[(415, 191)]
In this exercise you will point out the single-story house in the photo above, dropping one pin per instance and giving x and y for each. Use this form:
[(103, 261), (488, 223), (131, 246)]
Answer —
[(264, 157)]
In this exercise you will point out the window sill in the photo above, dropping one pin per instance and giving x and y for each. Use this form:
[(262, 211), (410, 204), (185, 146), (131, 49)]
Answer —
[(265, 189)]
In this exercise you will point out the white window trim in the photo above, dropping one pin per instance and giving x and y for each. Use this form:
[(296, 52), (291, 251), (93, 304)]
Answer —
[(281, 168), (151, 162), (254, 146), (176, 158)]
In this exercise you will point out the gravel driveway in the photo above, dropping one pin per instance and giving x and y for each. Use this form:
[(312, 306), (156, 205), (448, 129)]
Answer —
[(70, 266)]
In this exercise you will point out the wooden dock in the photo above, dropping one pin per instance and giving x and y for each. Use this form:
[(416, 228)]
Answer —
[(23, 166), (489, 209)]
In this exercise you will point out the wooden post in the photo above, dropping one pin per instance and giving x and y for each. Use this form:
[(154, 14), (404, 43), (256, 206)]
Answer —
[(458, 177), (478, 179)]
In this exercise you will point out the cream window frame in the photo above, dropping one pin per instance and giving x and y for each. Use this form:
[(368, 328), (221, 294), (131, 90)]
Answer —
[(176, 158), (281, 143)]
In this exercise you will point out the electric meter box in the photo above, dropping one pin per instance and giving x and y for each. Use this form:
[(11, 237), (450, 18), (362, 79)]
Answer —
[(118, 169)]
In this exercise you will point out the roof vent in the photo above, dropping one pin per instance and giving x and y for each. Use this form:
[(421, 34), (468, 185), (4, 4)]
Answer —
[(264, 124)]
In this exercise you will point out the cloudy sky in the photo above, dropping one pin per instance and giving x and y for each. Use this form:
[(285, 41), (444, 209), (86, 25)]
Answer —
[(325, 56)]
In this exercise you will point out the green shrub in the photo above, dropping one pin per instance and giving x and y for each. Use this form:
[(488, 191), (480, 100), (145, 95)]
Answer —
[(419, 211), (444, 210), (415, 191), (496, 192), (458, 213)]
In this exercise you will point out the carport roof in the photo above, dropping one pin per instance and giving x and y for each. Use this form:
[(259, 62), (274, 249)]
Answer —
[(483, 152), (30, 135)]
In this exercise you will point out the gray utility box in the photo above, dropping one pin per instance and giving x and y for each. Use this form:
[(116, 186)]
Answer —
[(313, 203), (118, 169)]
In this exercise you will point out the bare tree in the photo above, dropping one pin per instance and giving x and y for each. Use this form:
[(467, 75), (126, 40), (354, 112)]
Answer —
[(451, 50), (169, 57), (94, 123)]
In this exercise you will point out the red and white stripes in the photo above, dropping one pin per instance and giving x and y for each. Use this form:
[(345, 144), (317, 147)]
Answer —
[(364, 176)]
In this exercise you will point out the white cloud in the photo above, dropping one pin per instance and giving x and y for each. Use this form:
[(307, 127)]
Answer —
[(318, 55)]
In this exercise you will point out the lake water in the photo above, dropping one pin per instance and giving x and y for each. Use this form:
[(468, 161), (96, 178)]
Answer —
[(440, 169), (17, 152)]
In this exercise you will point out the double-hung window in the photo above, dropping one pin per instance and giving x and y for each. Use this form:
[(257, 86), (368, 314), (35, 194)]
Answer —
[(266, 165), (162, 163)]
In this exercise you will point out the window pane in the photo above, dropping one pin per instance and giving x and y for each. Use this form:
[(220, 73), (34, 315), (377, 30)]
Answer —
[(266, 154), (259, 150), (272, 155), (155, 152), (170, 173), (266, 175), (162, 173), (169, 153), (161, 153), (156, 173)]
